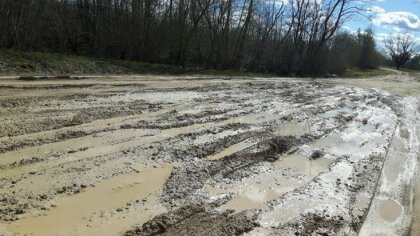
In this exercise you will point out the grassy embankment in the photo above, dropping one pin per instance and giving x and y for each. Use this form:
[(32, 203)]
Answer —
[(42, 63), (357, 73)]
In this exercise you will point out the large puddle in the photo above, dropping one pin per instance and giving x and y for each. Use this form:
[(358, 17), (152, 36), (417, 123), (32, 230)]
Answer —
[(389, 210), (93, 212), (304, 165), (290, 173)]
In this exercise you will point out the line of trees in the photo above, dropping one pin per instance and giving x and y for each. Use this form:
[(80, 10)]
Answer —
[(290, 37)]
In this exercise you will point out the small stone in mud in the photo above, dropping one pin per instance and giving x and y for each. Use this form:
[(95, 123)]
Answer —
[(19, 211), (317, 154), (32, 172), (62, 190), (119, 209), (83, 186), (365, 121)]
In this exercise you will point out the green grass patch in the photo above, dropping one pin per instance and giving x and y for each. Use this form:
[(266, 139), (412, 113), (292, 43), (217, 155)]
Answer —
[(358, 73)]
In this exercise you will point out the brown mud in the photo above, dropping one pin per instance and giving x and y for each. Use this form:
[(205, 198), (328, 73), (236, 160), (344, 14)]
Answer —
[(141, 155)]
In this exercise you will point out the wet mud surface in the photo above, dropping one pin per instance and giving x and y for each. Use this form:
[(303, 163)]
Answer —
[(146, 155)]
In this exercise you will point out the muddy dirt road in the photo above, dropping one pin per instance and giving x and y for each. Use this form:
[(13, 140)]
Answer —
[(201, 156)]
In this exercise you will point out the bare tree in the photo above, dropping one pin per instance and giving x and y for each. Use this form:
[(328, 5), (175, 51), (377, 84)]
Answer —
[(400, 48)]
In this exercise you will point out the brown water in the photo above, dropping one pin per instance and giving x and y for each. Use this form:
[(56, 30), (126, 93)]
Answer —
[(93, 212), (304, 165), (362, 203), (271, 186), (231, 150), (293, 129), (389, 210)]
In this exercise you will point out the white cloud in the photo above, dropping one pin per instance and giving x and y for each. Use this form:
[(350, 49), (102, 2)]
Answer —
[(402, 20), (347, 28), (376, 9)]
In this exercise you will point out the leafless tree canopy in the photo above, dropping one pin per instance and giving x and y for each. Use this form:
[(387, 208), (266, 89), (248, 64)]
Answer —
[(260, 35), (401, 48)]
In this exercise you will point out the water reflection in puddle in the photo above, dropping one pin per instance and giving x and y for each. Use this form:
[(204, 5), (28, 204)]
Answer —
[(304, 165), (253, 196), (231, 150), (293, 171), (335, 112), (293, 129), (336, 145)]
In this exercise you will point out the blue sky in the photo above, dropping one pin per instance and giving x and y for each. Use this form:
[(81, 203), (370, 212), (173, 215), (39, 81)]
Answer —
[(390, 17)]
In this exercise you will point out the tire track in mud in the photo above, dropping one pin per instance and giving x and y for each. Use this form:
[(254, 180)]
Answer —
[(22, 207), (316, 223), (392, 204), (183, 127)]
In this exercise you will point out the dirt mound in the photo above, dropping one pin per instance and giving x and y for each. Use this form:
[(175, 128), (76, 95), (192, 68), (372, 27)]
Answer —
[(195, 220)]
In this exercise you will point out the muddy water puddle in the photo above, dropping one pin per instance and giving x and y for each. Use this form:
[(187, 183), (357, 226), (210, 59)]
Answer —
[(362, 203), (287, 174), (112, 144), (232, 149), (253, 194), (93, 212), (304, 165), (293, 129), (286, 213), (356, 144), (336, 112), (389, 210), (288, 129), (99, 145), (87, 144), (254, 197), (258, 118), (158, 97)]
